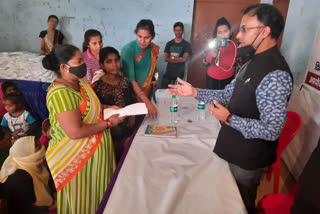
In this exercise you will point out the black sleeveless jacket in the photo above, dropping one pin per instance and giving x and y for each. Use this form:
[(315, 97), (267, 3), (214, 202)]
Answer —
[(231, 145)]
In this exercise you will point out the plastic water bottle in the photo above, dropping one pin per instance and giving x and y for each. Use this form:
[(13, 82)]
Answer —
[(156, 76), (201, 110), (177, 82), (174, 109)]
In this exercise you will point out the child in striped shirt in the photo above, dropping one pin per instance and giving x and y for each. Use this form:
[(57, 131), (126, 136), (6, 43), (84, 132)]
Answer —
[(91, 47)]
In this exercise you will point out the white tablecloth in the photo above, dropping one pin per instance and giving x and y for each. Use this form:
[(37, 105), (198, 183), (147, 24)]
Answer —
[(176, 175)]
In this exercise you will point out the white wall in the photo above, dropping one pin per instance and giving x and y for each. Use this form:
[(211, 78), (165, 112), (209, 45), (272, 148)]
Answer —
[(22, 20), (297, 46), (302, 24)]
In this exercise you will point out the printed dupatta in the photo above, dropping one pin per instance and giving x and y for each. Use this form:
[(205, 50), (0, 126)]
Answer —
[(146, 87)]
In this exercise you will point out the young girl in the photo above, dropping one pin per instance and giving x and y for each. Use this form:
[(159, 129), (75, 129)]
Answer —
[(51, 37), (45, 137), (91, 47), (7, 87), (113, 88), (16, 121)]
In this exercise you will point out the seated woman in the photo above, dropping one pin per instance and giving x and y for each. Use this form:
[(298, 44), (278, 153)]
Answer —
[(139, 59), (91, 47), (220, 62), (115, 89), (51, 37), (25, 181), (45, 137)]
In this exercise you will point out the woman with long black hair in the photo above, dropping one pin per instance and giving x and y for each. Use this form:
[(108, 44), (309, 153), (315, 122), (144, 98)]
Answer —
[(220, 61)]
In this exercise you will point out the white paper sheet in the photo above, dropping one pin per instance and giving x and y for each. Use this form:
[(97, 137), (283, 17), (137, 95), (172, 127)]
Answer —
[(133, 109)]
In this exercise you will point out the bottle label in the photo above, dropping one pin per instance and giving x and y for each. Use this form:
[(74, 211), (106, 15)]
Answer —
[(173, 108), (201, 106)]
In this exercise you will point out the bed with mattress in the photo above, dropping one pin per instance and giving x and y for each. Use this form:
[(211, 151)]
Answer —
[(25, 69)]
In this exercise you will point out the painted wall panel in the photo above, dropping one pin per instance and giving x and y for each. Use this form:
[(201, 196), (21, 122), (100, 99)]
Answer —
[(21, 21)]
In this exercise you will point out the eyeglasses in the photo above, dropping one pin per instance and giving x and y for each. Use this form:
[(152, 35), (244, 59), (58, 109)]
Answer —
[(245, 29)]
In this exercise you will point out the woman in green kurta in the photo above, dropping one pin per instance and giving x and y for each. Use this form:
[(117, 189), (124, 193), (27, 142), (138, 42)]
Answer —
[(139, 59), (80, 154)]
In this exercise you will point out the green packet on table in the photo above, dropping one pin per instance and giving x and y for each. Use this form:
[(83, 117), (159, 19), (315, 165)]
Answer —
[(161, 131)]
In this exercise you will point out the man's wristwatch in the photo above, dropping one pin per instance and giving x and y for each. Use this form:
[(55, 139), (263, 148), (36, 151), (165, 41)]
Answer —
[(228, 119)]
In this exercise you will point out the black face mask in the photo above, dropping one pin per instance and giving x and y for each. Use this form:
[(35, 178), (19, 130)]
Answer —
[(246, 52), (80, 71)]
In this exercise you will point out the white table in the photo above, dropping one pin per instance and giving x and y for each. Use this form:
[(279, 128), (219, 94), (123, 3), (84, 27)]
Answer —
[(175, 175)]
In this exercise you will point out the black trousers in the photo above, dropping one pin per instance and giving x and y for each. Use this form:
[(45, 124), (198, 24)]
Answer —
[(248, 182), (217, 84), (307, 197), (166, 80)]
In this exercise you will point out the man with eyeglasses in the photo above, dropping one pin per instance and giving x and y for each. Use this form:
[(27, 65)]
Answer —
[(252, 108)]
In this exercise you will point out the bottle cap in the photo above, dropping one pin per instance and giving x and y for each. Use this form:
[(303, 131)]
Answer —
[(173, 96), (177, 82)]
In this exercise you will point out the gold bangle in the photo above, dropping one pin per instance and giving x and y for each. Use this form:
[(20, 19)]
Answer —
[(140, 93), (109, 124)]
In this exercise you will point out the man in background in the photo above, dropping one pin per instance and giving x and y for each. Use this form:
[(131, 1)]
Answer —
[(176, 53)]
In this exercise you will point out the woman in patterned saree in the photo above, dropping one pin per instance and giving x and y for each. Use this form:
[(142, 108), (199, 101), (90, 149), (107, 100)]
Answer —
[(139, 58), (51, 37), (80, 154)]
